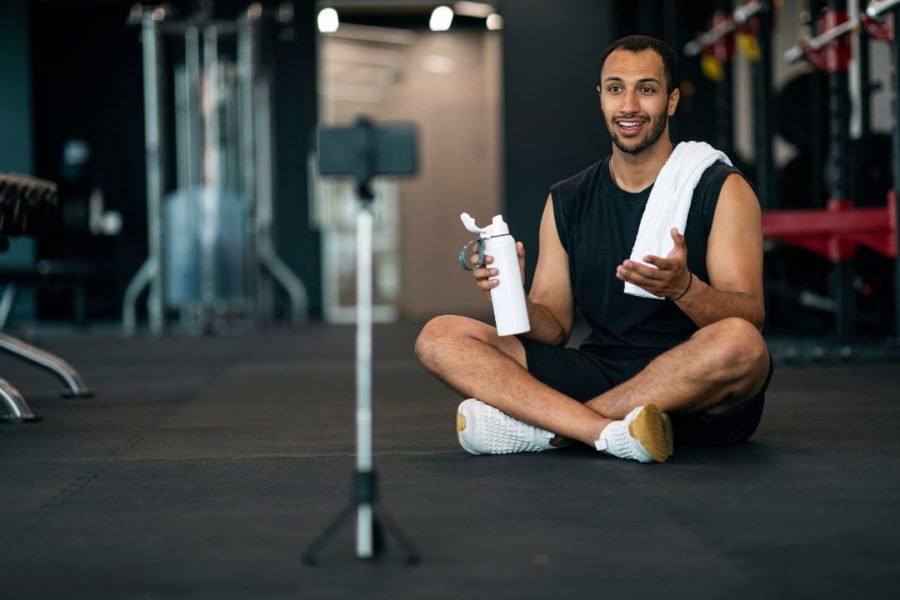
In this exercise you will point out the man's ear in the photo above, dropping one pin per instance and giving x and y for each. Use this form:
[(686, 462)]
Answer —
[(674, 97)]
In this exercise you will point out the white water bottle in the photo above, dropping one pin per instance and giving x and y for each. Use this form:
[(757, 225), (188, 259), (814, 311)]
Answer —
[(507, 298)]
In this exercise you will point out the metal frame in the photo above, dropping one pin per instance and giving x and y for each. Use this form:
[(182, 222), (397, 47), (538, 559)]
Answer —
[(255, 151), (17, 409), (74, 384), (761, 74), (836, 232), (740, 15), (150, 275), (763, 112), (877, 10)]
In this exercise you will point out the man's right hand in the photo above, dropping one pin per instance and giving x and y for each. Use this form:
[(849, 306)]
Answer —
[(484, 274)]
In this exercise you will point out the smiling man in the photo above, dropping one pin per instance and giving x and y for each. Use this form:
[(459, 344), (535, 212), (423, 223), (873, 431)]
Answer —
[(684, 364)]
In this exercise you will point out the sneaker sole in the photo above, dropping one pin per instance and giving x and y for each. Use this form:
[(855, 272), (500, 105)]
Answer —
[(670, 436), (460, 422), (460, 425), (650, 429)]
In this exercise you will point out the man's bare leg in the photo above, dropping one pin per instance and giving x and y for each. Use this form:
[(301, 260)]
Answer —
[(722, 366), (470, 357)]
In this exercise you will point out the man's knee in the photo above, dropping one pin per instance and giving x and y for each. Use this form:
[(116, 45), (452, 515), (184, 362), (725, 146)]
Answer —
[(438, 333), (738, 347)]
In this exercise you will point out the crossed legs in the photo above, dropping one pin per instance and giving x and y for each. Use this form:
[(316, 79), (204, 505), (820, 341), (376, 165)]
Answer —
[(720, 367)]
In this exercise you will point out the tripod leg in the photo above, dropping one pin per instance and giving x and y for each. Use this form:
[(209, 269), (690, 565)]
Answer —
[(309, 556), (389, 526)]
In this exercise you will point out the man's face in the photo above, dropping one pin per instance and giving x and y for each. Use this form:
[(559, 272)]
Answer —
[(633, 99)]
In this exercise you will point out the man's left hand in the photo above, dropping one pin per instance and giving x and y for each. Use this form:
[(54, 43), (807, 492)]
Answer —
[(668, 277)]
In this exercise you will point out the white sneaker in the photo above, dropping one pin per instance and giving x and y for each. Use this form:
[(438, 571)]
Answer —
[(483, 429), (644, 435)]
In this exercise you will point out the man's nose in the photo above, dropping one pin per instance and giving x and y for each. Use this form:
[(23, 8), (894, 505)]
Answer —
[(629, 102)]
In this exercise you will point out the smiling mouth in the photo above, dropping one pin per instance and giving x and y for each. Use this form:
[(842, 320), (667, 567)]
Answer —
[(629, 128)]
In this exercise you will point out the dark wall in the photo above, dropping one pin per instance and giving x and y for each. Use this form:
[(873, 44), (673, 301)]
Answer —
[(552, 122), (15, 90), (87, 85), (295, 117), (16, 130)]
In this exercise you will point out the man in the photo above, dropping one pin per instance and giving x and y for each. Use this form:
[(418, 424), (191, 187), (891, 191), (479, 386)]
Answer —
[(692, 366)]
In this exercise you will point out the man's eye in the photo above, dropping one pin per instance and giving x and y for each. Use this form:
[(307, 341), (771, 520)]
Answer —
[(614, 88), (648, 90)]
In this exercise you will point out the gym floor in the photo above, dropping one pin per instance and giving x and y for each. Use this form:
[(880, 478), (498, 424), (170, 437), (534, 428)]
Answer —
[(204, 466)]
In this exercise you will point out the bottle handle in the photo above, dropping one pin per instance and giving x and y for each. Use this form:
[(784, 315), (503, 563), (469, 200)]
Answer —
[(465, 250)]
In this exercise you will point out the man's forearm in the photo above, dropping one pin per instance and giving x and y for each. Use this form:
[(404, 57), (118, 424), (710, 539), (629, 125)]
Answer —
[(705, 305), (545, 327)]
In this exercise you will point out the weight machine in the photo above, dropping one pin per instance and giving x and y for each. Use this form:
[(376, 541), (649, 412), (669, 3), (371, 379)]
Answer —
[(211, 252), (836, 232), (749, 28)]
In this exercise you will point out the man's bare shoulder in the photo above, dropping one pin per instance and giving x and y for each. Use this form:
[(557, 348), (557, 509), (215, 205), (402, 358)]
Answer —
[(737, 193)]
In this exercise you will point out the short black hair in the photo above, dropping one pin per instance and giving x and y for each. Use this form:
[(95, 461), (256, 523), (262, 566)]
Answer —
[(639, 43)]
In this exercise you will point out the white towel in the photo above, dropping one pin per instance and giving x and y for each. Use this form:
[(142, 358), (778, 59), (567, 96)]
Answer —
[(669, 203)]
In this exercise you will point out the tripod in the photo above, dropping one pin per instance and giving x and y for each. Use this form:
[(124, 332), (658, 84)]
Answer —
[(371, 522)]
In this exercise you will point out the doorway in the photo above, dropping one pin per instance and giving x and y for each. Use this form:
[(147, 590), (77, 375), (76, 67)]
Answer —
[(390, 66)]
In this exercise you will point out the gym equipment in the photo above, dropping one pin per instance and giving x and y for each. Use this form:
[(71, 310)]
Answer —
[(749, 28), (836, 232), (28, 206), (210, 242), (364, 151), (878, 10), (830, 50)]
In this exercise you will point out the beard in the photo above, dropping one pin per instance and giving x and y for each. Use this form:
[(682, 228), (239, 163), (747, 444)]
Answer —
[(657, 126)]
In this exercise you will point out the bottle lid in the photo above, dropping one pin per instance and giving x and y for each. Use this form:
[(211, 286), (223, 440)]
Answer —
[(497, 227)]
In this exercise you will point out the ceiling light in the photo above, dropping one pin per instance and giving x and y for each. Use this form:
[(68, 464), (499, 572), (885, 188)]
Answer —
[(328, 20), (494, 22), (441, 18)]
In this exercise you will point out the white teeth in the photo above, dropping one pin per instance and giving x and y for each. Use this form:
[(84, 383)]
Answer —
[(628, 124)]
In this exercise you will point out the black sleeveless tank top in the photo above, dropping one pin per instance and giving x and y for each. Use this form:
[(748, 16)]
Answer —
[(597, 224)]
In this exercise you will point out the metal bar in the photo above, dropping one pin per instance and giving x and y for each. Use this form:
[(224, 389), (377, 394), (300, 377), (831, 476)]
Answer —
[(841, 167), (364, 523), (137, 284), (17, 408), (246, 72), (827, 222), (724, 101), (291, 284), (150, 275), (71, 379), (263, 214), (247, 57), (895, 139), (740, 15), (212, 167), (877, 8), (152, 57), (857, 81), (193, 125), (265, 244), (6, 302), (818, 42), (764, 114)]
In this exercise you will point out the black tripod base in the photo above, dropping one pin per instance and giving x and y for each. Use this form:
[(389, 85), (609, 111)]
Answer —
[(383, 526)]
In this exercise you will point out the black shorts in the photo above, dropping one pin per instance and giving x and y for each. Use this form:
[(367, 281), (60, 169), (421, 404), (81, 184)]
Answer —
[(584, 375)]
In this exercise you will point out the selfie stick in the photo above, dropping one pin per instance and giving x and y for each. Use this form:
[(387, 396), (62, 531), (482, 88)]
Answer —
[(370, 519)]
